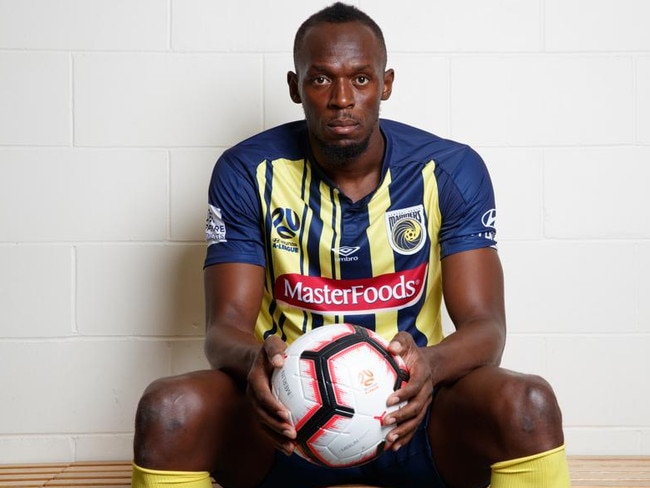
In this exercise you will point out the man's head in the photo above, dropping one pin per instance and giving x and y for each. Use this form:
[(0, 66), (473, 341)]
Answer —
[(340, 80), (338, 13)]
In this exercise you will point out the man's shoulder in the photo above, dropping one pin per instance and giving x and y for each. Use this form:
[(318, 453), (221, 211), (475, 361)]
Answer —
[(410, 143), (402, 129), (283, 141)]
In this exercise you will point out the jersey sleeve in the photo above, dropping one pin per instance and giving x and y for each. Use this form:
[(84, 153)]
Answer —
[(233, 225), (467, 204)]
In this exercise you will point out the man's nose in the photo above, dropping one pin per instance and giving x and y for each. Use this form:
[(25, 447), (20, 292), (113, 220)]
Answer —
[(342, 95)]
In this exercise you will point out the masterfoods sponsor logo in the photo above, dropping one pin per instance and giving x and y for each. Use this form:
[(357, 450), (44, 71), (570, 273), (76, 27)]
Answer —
[(390, 291)]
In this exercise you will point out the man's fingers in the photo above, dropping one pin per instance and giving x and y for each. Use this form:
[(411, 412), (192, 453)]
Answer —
[(270, 411), (281, 442), (400, 435), (274, 348), (400, 343)]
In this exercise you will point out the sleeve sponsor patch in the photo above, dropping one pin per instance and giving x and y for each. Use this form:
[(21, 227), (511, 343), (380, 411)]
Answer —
[(215, 229)]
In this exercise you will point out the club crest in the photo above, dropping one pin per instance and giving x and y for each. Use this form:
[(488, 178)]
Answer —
[(406, 229)]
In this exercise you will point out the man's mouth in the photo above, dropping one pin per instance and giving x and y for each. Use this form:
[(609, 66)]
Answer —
[(342, 126)]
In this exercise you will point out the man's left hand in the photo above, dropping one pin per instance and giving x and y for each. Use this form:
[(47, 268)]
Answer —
[(417, 392)]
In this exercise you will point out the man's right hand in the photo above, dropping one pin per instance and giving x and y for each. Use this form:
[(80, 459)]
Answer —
[(273, 415)]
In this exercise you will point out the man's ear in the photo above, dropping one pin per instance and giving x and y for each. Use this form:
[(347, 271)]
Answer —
[(292, 81), (389, 77)]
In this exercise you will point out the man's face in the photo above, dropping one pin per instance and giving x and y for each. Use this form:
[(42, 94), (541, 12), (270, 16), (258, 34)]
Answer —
[(340, 82)]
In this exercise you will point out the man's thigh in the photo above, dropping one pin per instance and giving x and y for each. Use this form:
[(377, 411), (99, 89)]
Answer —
[(202, 421), (459, 431), (490, 415)]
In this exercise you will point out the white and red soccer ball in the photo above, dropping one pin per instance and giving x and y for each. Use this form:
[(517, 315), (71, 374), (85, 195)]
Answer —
[(335, 382)]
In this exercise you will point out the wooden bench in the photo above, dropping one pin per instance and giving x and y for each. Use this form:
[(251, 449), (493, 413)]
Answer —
[(586, 472)]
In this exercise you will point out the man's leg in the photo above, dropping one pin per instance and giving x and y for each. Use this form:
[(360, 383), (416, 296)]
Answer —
[(196, 423), (493, 420)]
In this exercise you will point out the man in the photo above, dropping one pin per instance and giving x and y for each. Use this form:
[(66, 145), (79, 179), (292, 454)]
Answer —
[(346, 196)]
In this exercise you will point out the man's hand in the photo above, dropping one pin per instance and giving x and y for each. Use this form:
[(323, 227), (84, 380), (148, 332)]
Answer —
[(417, 392), (273, 416)]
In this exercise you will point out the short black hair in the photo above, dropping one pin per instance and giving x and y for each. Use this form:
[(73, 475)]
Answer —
[(338, 13)]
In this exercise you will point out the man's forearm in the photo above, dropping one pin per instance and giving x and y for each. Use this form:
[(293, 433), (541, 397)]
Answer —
[(476, 344), (230, 350)]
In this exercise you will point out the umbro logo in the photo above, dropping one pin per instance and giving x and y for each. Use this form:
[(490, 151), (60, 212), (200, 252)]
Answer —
[(346, 253), (346, 250)]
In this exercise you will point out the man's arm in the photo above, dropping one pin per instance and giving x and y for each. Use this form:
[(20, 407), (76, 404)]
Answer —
[(233, 295), (473, 291)]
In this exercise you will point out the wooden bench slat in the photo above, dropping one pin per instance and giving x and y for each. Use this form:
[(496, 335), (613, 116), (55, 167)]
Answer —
[(89, 482), (21, 484), (586, 472)]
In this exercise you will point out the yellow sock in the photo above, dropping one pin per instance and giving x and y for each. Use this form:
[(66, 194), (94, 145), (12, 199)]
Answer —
[(544, 470), (151, 478)]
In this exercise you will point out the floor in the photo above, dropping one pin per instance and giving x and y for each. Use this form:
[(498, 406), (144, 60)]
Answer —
[(586, 472)]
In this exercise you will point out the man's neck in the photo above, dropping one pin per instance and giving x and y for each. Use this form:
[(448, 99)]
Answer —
[(360, 176)]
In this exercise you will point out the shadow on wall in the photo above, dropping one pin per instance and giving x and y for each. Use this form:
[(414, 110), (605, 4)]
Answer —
[(187, 310), (186, 301)]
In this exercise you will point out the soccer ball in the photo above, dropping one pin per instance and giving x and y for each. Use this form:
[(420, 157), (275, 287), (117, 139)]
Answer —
[(335, 382)]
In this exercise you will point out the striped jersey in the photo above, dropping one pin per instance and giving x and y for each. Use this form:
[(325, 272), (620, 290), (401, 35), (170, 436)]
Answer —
[(374, 262)]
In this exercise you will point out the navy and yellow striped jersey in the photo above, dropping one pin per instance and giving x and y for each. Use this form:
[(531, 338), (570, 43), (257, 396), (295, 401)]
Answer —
[(374, 262)]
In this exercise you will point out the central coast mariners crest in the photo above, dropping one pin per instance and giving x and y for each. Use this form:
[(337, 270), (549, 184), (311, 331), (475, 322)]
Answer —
[(406, 229)]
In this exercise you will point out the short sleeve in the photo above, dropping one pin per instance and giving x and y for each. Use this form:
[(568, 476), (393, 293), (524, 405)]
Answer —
[(466, 202), (233, 225)]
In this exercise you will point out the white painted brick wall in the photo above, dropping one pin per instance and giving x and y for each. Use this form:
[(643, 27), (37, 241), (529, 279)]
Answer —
[(140, 289), (579, 186), (74, 194), (643, 100), (72, 25), (543, 99), (112, 113), (35, 96), (190, 173), (36, 289), (162, 100), (420, 81)]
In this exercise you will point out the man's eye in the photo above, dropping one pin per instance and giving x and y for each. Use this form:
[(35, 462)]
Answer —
[(362, 80), (320, 80)]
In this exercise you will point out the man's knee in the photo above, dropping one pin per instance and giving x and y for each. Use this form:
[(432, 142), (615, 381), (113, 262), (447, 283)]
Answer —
[(167, 404), (527, 409), (173, 412)]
